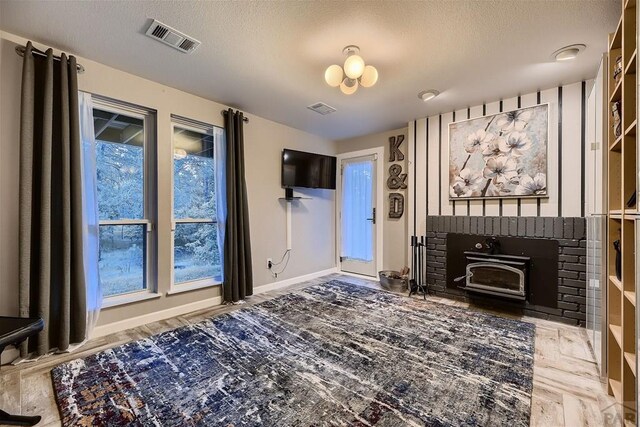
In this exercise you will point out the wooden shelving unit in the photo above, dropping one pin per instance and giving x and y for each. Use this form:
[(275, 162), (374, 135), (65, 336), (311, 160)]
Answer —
[(622, 183)]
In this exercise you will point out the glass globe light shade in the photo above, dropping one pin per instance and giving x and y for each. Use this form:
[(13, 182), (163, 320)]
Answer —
[(354, 66), (333, 75), (369, 77), (349, 86)]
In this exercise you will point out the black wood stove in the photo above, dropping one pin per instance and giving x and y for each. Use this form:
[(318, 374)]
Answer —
[(496, 274), (515, 270)]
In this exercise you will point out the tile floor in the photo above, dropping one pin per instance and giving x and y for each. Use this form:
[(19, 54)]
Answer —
[(567, 388)]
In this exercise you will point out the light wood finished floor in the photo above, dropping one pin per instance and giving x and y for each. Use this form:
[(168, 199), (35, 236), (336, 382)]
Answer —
[(567, 389)]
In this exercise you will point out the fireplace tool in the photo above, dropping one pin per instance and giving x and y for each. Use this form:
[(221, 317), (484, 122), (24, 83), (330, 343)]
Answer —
[(416, 284)]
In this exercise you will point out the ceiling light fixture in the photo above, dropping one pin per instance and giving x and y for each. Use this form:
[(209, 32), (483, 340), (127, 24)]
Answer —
[(426, 95), (568, 53), (354, 73)]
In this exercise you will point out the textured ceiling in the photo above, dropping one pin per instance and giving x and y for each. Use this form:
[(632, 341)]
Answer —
[(268, 58)]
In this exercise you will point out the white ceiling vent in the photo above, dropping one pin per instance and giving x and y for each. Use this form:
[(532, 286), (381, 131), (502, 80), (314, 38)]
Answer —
[(321, 108), (167, 35)]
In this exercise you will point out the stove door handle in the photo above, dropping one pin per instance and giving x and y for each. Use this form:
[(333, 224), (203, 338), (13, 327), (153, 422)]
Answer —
[(461, 278)]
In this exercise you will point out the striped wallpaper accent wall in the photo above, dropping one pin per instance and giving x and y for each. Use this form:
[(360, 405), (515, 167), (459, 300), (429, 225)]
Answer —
[(429, 157)]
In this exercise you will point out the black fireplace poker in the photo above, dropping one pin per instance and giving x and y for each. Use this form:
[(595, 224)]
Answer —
[(416, 284)]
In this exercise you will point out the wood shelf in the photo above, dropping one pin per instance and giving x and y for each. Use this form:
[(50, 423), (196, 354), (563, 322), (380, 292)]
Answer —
[(630, 68), (631, 297), (616, 331), (616, 387), (616, 40), (617, 144), (622, 181), (631, 129), (616, 95), (617, 283), (630, 358)]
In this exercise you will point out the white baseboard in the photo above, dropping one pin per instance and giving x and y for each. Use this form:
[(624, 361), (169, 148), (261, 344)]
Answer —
[(134, 322), (359, 276), (12, 353), (284, 283)]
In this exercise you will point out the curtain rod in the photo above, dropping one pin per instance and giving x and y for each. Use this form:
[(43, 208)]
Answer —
[(244, 118), (20, 50)]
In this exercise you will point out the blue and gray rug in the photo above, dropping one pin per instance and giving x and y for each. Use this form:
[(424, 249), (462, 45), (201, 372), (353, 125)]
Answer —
[(329, 355)]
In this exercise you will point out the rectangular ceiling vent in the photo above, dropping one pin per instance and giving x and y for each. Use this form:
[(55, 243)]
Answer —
[(174, 38), (321, 108)]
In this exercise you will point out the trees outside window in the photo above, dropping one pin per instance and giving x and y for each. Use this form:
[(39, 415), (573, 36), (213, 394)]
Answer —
[(196, 255), (127, 200), (123, 143)]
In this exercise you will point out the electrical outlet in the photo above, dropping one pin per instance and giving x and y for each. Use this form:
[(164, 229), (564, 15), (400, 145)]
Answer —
[(269, 263)]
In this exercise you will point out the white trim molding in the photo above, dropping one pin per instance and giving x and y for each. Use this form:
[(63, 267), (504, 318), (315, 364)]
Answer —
[(122, 299), (144, 319), (359, 276), (192, 286), (294, 280), (122, 325), (134, 322), (380, 214)]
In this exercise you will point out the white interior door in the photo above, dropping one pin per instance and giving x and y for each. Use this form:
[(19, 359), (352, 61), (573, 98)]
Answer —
[(358, 215)]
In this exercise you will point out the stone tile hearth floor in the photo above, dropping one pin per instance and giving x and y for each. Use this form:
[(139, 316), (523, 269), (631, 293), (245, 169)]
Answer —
[(567, 389)]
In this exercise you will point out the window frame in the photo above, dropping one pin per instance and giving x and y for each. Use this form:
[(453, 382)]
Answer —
[(200, 127), (149, 216)]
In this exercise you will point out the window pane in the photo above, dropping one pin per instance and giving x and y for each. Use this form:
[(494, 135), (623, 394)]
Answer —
[(120, 164), (196, 254), (193, 175), (122, 258)]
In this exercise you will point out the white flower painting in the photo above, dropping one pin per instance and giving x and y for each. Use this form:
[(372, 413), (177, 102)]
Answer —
[(500, 156)]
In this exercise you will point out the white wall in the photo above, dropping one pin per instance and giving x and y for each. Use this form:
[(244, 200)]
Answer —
[(313, 221), (565, 156), (394, 230)]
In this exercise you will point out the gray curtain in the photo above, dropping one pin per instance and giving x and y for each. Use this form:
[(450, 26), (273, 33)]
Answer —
[(52, 284), (238, 276)]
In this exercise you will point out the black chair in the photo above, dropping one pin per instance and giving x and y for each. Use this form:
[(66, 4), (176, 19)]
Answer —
[(14, 330)]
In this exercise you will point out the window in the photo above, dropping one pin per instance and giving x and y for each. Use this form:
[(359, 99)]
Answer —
[(196, 253), (124, 146)]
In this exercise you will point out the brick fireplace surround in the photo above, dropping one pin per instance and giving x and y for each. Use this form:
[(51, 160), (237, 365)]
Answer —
[(570, 233)]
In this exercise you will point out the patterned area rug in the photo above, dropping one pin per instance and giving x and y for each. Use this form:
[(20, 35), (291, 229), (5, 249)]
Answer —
[(329, 355)]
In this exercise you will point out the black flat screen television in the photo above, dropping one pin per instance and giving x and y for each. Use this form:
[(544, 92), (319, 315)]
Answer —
[(301, 169)]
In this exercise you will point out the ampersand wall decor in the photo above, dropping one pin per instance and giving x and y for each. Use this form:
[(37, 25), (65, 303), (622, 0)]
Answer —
[(397, 179)]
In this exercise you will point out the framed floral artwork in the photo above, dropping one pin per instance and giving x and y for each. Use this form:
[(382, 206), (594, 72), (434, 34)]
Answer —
[(502, 155)]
